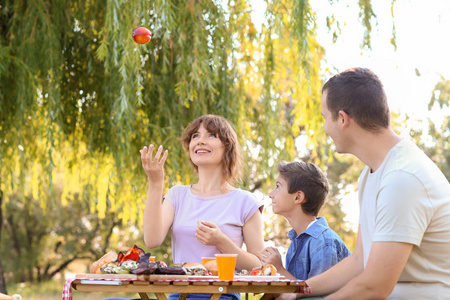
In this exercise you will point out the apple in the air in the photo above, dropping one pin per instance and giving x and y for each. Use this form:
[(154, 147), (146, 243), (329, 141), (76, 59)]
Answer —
[(142, 35)]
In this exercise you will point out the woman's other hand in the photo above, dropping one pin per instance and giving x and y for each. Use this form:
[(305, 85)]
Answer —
[(208, 233), (153, 166)]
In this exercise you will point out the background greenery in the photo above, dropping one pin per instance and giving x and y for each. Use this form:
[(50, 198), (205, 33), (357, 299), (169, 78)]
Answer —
[(78, 99)]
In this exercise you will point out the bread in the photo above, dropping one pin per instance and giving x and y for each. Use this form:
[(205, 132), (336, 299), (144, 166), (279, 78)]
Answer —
[(191, 266), (194, 268), (111, 256), (211, 266)]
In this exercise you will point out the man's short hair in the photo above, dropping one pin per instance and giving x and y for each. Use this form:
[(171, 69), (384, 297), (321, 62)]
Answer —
[(360, 93), (309, 179)]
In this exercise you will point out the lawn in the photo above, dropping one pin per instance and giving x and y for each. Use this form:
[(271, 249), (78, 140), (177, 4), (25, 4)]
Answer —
[(52, 290)]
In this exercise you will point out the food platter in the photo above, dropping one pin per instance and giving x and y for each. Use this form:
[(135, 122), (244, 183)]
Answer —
[(131, 277), (174, 277)]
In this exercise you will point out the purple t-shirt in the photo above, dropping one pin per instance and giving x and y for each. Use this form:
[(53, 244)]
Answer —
[(229, 211)]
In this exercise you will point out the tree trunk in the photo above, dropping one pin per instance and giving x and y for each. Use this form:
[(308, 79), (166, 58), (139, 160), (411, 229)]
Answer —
[(2, 275)]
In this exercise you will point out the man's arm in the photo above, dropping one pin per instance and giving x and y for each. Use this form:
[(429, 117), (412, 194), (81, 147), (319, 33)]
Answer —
[(386, 262), (339, 275)]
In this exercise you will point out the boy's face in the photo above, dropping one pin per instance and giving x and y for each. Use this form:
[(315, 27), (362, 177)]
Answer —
[(282, 201)]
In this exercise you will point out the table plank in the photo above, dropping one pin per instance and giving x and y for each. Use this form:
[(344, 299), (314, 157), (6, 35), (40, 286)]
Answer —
[(180, 283), (215, 297), (222, 283), (239, 283), (183, 296), (160, 282), (202, 283), (144, 296), (160, 296)]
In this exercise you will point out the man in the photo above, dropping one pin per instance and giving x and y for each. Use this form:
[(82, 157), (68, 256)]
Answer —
[(402, 249)]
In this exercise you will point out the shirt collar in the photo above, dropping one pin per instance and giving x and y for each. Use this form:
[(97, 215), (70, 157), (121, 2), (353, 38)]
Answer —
[(319, 226)]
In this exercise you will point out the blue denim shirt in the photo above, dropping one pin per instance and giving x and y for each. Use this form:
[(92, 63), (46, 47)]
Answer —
[(315, 250)]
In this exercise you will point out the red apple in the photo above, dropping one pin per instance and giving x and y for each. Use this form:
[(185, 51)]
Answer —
[(142, 35)]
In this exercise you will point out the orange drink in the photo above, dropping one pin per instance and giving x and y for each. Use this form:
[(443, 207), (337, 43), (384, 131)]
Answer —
[(206, 259), (152, 258), (226, 263)]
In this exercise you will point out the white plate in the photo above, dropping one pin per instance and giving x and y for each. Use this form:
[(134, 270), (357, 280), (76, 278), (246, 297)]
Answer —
[(240, 277), (202, 277), (258, 278)]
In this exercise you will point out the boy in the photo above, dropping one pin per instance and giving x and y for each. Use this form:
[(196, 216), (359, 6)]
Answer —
[(300, 192)]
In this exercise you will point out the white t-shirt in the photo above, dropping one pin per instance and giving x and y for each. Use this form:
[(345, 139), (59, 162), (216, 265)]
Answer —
[(408, 200)]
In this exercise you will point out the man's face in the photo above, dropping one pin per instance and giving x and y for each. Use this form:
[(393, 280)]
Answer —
[(332, 127)]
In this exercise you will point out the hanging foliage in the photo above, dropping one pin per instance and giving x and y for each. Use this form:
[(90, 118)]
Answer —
[(79, 98)]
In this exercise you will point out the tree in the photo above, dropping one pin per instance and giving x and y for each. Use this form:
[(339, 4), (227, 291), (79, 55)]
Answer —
[(436, 140), (78, 98), (2, 277)]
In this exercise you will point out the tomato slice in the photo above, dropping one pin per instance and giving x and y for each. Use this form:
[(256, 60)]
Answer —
[(256, 272)]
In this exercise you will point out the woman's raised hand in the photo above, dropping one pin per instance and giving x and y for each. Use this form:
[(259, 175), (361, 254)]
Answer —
[(153, 166)]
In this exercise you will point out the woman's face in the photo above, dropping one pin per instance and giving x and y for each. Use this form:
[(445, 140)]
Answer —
[(205, 148)]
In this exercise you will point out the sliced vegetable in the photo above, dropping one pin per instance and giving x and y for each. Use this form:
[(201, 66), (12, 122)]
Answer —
[(269, 270), (256, 272)]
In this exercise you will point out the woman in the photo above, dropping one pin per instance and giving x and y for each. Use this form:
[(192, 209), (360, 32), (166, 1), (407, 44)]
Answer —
[(210, 216)]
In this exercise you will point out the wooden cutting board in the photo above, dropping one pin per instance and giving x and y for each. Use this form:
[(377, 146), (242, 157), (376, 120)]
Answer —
[(131, 276)]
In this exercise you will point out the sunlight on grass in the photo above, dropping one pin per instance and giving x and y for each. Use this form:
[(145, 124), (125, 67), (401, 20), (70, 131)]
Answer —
[(52, 290), (27, 290)]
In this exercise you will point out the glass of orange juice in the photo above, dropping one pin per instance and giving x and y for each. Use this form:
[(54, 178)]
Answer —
[(152, 258), (226, 264), (206, 259)]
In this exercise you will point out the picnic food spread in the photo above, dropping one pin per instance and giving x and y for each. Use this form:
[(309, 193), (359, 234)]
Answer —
[(193, 268), (267, 270), (211, 266), (134, 261), (137, 261)]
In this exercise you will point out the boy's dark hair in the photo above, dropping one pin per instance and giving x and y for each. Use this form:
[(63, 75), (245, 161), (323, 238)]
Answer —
[(360, 93), (309, 179)]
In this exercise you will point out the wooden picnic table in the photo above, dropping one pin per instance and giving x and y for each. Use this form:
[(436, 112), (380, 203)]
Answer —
[(160, 285)]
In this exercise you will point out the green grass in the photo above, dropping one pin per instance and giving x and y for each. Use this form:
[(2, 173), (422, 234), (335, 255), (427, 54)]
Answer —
[(52, 290)]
